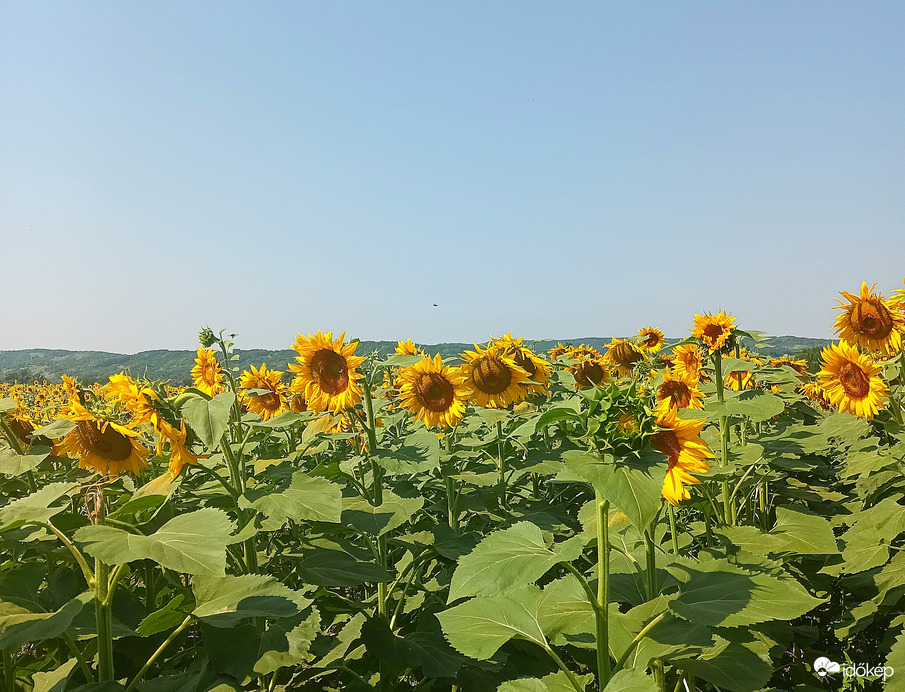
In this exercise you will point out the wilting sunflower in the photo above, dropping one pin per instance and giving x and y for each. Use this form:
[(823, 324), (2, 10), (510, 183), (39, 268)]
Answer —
[(687, 363), (206, 375), (108, 448), (558, 351), (799, 366), (326, 372), (539, 370), (870, 323), (849, 380), (740, 379), (678, 392), (815, 393), (623, 355), (435, 393), (71, 387), (651, 340), (265, 405), (134, 398), (679, 440), (494, 380), (180, 455), (713, 330)]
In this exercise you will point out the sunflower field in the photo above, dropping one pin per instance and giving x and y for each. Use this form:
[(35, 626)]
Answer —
[(658, 517)]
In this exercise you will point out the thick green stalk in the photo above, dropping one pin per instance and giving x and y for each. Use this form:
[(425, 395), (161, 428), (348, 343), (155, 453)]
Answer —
[(638, 637), (724, 432), (672, 529), (502, 464), (377, 473), (602, 611), (651, 554), (564, 668), (452, 500)]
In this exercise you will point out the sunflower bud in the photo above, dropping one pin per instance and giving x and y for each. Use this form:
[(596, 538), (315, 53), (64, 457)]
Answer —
[(206, 337)]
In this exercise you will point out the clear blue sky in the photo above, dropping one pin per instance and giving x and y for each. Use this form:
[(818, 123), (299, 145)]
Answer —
[(556, 169)]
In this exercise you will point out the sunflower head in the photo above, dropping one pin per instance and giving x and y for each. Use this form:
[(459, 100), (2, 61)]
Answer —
[(799, 366), (327, 372), (679, 440), (408, 348), (650, 340), (538, 369), (870, 323), (679, 392), (435, 393), (814, 392), (108, 448), (740, 379), (687, 363), (588, 371), (493, 379), (206, 337), (620, 419), (270, 399), (206, 374), (849, 380), (622, 355), (714, 331)]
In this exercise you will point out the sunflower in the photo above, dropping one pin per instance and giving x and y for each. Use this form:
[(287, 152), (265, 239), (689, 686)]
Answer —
[(897, 298), (408, 348), (495, 381), (134, 398), (589, 371), (265, 405), (107, 448), (623, 355), (434, 392), (713, 330), (71, 387), (869, 322), (180, 455), (206, 374), (651, 340), (558, 351), (539, 370), (678, 392), (849, 380), (680, 441), (740, 379), (326, 372), (815, 393), (799, 366), (688, 363)]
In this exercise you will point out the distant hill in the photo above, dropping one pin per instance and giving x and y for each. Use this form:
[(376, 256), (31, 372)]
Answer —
[(174, 366)]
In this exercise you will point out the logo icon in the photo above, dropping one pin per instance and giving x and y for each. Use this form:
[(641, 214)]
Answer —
[(824, 666)]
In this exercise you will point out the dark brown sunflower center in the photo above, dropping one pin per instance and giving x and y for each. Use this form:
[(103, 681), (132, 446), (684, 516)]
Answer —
[(435, 392), (591, 372), (677, 392), (651, 340), (21, 428), (298, 404), (109, 444), (330, 371), (667, 442), (872, 320), (854, 381), (491, 375), (270, 401), (712, 332), (526, 363), (625, 354)]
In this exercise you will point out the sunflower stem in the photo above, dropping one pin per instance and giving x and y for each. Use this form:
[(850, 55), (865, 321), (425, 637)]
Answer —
[(650, 553), (672, 529), (103, 611), (502, 464), (724, 434), (602, 609)]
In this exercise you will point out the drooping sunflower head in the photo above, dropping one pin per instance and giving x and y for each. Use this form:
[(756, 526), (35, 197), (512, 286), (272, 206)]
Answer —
[(814, 392), (870, 323), (651, 340), (714, 331), (685, 451), (589, 371), (71, 387), (687, 363), (206, 374), (538, 369), (434, 392), (409, 348), (180, 454), (849, 380), (679, 392), (108, 448), (623, 355), (327, 371), (799, 366), (558, 351), (495, 381), (272, 400)]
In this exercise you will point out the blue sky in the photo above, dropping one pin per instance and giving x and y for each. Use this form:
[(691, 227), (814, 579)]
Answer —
[(559, 170)]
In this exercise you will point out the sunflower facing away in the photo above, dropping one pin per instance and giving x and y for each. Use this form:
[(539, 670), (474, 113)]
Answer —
[(206, 374), (326, 372), (849, 380), (713, 330), (799, 366), (815, 393), (107, 448), (687, 453), (870, 323), (678, 392), (539, 370), (265, 405), (495, 381), (180, 455), (651, 340), (623, 355), (435, 393), (588, 370)]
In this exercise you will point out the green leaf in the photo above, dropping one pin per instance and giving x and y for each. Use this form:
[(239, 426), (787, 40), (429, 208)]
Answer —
[(12, 464), (566, 608), (731, 666), (225, 601), (435, 657), (419, 452), (401, 360), (631, 680), (284, 420), (755, 404), (166, 618), (194, 543), (480, 626), (804, 533), (54, 681), (35, 508), (325, 567), (208, 417), (376, 521), (717, 592), (554, 415), (508, 559), (59, 428), (525, 685), (896, 661), (633, 487), (7, 404), (301, 498), (19, 626)]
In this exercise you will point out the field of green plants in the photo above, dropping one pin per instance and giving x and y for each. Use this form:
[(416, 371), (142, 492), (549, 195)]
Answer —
[(656, 517)]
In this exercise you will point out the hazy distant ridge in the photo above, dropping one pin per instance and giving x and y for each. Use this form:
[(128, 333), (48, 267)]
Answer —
[(174, 366)]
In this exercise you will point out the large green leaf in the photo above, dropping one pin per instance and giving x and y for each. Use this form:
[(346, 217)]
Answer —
[(732, 666), (19, 626), (209, 417), (366, 518), (54, 681), (419, 452), (755, 404), (35, 508), (300, 498), (480, 626), (194, 543), (566, 608), (804, 533), (896, 661), (633, 487), (224, 601), (12, 464), (631, 680), (717, 592), (508, 559), (555, 682), (325, 567)]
